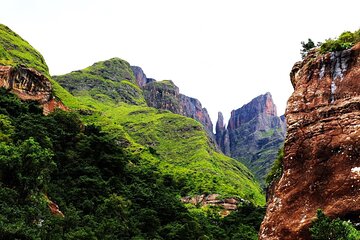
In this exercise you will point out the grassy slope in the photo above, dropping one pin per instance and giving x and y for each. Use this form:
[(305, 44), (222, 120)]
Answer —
[(112, 79), (15, 51), (177, 144)]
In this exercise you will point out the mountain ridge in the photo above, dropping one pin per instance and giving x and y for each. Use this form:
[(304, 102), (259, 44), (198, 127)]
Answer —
[(253, 135)]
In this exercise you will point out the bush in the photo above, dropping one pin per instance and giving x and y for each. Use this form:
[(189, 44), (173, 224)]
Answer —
[(345, 41)]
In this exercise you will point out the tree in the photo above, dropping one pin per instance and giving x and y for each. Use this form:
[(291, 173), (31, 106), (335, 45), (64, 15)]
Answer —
[(306, 47)]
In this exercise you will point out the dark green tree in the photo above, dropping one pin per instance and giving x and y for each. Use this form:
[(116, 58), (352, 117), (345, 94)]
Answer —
[(306, 47)]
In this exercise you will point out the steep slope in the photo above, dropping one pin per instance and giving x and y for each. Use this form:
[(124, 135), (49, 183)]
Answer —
[(178, 144), (16, 51), (254, 134), (321, 162), (166, 95)]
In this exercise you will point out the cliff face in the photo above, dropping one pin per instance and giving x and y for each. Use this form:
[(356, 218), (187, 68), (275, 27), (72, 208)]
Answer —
[(165, 95), (222, 135), (322, 153), (254, 134), (140, 76), (29, 84)]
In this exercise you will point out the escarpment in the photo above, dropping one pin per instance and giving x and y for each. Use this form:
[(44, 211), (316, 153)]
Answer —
[(253, 135), (322, 147), (166, 95)]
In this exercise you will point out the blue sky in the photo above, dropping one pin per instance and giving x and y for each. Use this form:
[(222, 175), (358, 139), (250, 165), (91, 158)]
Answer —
[(222, 52)]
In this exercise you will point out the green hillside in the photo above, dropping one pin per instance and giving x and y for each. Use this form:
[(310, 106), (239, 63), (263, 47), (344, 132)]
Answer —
[(115, 167), (112, 79), (179, 145), (14, 51)]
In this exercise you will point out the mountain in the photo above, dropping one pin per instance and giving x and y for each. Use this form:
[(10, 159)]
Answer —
[(253, 135), (105, 164), (321, 154), (181, 147)]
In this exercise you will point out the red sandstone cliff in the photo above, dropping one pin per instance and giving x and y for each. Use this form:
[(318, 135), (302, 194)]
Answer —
[(322, 147), (29, 84)]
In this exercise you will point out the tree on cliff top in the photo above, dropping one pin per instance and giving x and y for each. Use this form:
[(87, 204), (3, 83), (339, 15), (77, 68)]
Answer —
[(306, 47)]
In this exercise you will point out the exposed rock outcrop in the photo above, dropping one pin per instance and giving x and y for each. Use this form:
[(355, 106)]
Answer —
[(222, 135), (29, 84), (322, 147), (228, 204), (254, 134), (165, 95), (140, 76)]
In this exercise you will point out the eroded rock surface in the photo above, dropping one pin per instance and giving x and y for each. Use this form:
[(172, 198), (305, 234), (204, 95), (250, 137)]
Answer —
[(322, 147), (165, 95), (29, 84)]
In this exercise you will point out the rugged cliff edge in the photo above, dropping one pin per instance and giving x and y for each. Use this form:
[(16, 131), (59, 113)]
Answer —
[(166, 95), (254, 134), (322, 150)]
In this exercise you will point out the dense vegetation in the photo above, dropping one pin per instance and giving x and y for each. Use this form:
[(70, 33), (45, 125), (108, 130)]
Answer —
[(104, 191), (324, 228), (345, 41)]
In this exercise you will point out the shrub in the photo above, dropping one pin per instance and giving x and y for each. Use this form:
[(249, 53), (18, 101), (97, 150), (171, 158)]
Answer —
[(323, 228), (345, 41)]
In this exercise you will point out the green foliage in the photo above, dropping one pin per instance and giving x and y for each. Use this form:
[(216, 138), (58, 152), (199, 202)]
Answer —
[(323, 228), (277, 168), (182, 150), (104, 190), (345, 41)]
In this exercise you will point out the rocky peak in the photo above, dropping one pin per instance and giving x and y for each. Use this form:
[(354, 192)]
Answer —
[(321, 161), (259, 106), (254, 134), (140, 76), (222, 135), (220, 125)]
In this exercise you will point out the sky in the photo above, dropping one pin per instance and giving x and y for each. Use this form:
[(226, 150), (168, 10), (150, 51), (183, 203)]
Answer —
[(224, 53)]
